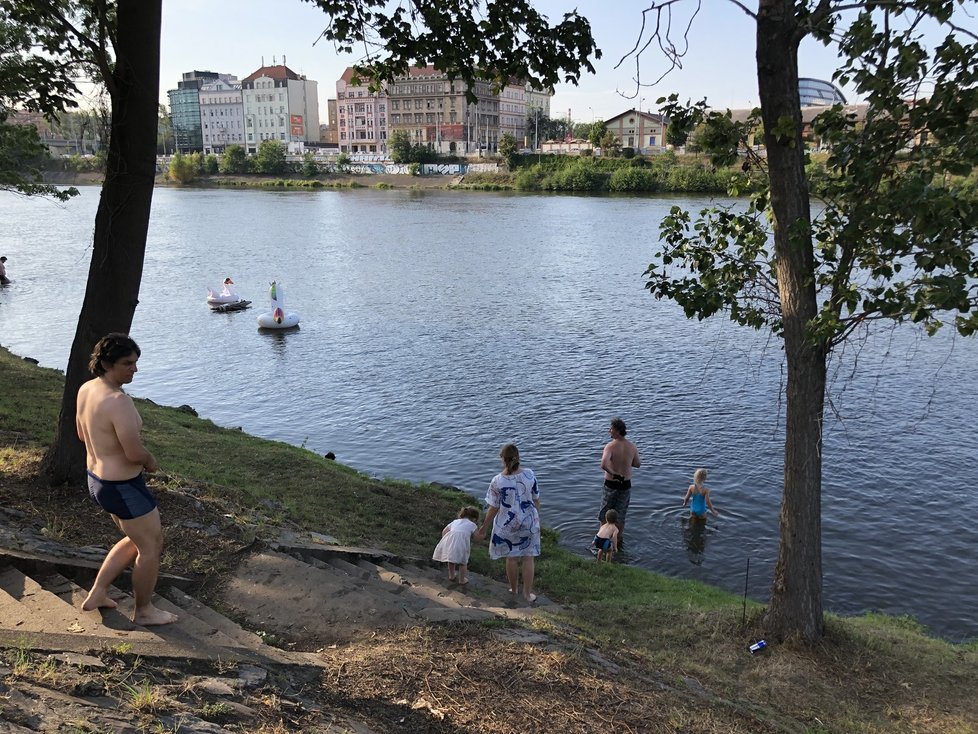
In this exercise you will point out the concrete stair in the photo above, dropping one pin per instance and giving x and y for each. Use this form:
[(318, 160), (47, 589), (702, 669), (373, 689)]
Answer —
[(312, 592), (332, 594), (41, 610)]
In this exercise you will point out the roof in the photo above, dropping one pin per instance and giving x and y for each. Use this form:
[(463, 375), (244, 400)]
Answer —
[(647, 115), (273, 72)]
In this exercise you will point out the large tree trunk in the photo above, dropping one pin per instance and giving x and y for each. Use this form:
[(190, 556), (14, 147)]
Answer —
[(122, 220), (796, 599)]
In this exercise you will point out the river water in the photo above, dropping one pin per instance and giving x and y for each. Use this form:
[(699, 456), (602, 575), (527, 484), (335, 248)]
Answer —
[(435, 326)]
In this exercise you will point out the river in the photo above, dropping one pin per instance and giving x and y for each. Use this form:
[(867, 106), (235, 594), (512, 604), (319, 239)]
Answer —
[(437, 325)]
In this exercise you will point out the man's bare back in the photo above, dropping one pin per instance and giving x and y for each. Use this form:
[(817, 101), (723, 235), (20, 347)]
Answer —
[(109, 424), (619, 458)]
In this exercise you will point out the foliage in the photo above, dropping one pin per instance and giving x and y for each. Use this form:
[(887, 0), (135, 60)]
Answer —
[(342, 160), (508, 149), (547, 128), (182, 169), (682, 118), (581, 176), (504, 39), (610, 144), (22, 155), (270, 158), (402, 151), (234, 160), (595, 133), (309, 167), (634, 179), (23, 158), (399, 145), (209, 165), (165, 141)]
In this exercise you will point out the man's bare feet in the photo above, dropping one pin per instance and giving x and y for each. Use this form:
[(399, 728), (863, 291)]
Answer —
[(151, 616), (98, 600)]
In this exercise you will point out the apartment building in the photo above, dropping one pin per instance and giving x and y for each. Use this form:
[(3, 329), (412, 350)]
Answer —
[(512, 111), (221, 114), (434, 111), (279, 105), (188, 131), (361, 117)]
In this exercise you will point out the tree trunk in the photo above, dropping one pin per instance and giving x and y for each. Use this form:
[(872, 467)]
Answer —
[(796, 598), (122, 220)]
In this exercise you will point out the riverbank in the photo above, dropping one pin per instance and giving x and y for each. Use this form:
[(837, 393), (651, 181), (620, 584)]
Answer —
[(673, 653), (334, 181)]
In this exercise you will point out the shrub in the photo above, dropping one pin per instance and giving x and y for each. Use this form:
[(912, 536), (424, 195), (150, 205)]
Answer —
[(580, 177), (634, 179)]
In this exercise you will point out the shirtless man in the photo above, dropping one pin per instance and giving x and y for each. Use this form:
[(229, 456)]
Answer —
[(620, 456), (109, 425)]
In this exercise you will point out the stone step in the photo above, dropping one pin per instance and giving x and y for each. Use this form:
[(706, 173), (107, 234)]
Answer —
[(281, 593), (188, 630), (112, 620), (43, 611), (236, 632)]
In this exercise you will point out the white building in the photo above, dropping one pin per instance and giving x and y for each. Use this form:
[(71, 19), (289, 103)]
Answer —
[(279, 105), (221, 114), (512, 112), (361, 117)]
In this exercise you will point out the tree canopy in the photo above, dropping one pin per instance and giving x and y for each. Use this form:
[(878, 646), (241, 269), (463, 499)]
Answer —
[(468, 39)]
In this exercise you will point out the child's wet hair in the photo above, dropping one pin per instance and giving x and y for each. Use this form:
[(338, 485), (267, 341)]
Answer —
[(611, 516), (469, 513), (699, 476)]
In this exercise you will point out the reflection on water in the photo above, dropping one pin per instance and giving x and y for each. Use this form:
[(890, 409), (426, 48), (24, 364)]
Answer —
[(439, 325), (695, 531)]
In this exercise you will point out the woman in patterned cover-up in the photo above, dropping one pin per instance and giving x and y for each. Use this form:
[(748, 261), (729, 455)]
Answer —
[(514, 514)]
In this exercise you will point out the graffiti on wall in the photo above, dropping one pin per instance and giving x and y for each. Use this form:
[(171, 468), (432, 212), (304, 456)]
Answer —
[(404, 169)]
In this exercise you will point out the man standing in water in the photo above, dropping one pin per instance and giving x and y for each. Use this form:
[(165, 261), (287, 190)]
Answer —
[(620, 456), (109, 425)]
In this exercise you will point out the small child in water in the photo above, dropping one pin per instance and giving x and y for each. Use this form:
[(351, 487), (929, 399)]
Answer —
[(456, 544), (698, 497), (606, 541)]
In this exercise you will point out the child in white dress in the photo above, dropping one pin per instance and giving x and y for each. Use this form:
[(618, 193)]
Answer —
[(456, 543)]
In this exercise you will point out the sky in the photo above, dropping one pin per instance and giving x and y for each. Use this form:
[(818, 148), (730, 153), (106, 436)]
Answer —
[(235, 36)]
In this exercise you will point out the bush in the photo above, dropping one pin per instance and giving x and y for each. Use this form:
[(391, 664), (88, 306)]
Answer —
[(234, 160), (628, 152), (182, 169), (580, 177), (694, 179), (309, 166), (210, 165), (634, 179)]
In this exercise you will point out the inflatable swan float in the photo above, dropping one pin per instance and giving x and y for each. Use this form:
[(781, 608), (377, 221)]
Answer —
[(226, 299), (278, 317), (225, 295)]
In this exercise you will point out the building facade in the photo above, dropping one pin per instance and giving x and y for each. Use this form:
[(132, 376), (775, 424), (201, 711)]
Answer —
[(279, 104), (512, 112), (361, 117), (643, 132), (221, 114), (188, 132), (435, 112)]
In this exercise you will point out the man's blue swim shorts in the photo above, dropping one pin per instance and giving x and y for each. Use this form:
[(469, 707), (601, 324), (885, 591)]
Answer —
[(126, 500)]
